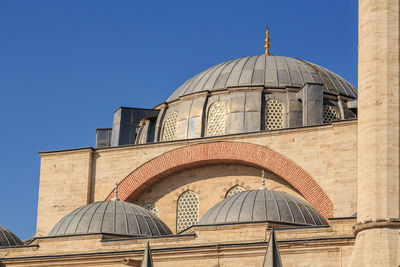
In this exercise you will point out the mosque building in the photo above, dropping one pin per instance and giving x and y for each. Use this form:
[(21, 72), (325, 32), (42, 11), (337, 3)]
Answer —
[(258, 161)]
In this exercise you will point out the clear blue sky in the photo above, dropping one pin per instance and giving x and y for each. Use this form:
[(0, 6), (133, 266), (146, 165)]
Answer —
[(66, 65)]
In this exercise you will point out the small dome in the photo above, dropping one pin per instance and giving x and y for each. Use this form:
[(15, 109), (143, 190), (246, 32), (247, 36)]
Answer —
[(266, 71), (263, 205), (8, 239), (113, 217)]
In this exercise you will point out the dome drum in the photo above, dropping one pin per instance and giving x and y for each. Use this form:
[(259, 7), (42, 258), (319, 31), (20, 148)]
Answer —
[(246, 111), (243, 95)]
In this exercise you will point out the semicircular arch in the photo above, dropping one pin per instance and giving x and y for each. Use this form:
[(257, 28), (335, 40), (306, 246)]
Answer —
[(224, 152)]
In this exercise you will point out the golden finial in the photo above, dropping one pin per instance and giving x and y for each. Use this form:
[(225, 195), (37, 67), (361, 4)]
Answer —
[(267, 46)]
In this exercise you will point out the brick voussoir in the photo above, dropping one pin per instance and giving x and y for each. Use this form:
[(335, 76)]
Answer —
[(224, 152)]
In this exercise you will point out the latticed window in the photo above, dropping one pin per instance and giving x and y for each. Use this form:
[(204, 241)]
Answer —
[(274, 115), (329, 114), (152, 209), (216, 119), (169, 127), (234, 190), (188, 210)]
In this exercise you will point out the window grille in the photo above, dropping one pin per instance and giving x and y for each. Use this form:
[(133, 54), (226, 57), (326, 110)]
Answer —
[(216, 119), (234, 190), (188, 210), (274, 115), (329, 114), (152, 209), (169, 127)]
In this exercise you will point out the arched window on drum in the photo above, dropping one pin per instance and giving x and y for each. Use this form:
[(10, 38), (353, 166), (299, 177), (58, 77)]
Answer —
[(169, 128), (274, 115), (152, 209), (234, 190), (216, 119), (329, 114), (187, 210)]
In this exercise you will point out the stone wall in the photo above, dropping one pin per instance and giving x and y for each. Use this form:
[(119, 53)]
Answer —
[(210, 183), (327, 153), (226, 245)]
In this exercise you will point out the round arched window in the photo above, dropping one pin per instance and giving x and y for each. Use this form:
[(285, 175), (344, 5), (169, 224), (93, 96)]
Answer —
[(169, 127), (329, 114), (234, 190), (274, 115), (188, 210), (216, 119), (152, 209)]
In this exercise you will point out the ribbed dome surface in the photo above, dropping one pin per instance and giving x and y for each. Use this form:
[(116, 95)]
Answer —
[(267, 71), (263, 205), (8, 239), (114, 217)]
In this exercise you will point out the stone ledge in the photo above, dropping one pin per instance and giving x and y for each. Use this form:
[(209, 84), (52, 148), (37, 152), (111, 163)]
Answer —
[(376, 223)]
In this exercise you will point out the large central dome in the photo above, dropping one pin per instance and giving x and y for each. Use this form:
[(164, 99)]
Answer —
[(267, 71), (251, 94)]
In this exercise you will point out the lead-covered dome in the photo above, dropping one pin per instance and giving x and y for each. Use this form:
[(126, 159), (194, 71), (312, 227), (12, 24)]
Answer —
[(267, 71), (113, 217), (8, 239), (263, 205), (251, 94)]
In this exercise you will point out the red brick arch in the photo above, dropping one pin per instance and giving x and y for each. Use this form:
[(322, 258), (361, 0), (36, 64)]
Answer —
[(224, 152)]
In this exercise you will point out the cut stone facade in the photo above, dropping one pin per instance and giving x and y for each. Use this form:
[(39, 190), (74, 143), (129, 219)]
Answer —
[(288, 119), (326, 153)]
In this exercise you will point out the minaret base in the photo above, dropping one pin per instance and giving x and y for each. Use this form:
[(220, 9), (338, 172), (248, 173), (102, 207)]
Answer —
[(376, 247)]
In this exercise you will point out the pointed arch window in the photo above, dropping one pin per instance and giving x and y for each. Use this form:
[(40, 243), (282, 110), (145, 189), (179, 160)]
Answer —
[(329, 114), (216, 119), (274, 115), (234, 190), (169, 127), (152, 209), (187, 211)]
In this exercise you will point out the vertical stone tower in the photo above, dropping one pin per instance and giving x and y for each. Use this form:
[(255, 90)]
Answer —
[(378, 180)]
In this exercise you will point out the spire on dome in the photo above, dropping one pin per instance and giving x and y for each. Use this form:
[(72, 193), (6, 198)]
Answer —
[(115, 198), (267, 45), (272, 257), (262, 181)]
